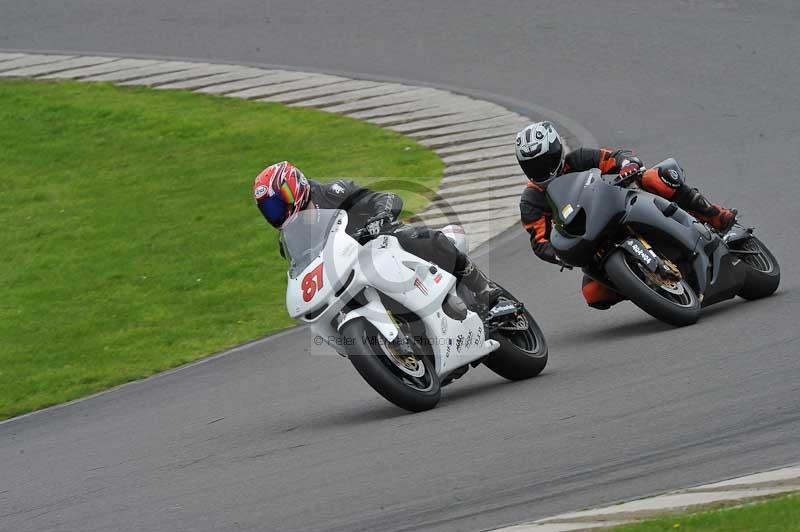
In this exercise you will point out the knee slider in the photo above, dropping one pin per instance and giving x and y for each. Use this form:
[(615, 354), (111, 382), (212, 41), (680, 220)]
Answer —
[(671, 173), (670, 177)]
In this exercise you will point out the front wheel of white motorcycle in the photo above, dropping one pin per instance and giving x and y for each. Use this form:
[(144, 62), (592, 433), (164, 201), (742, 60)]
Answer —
[(408, 381)]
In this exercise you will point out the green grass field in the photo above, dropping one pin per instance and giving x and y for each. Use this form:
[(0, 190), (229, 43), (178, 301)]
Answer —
[(130, 243), (781, 514)]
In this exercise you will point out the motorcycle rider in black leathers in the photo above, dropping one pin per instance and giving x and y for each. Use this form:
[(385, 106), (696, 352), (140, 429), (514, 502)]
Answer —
[(541, 156), (281, 191)]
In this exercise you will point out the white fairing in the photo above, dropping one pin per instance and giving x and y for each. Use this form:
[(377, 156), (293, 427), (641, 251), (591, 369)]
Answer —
[(459, 238), (383, 267)]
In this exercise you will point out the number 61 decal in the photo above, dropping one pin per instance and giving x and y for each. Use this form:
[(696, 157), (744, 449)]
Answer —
[(311, 283)]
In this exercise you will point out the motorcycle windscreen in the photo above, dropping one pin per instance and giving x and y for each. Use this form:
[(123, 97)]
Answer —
[(584, 207), (303, 236), (563, 194)]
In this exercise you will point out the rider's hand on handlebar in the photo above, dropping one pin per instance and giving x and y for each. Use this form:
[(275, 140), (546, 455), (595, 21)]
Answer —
[(551, 256), (375, 223), (629, 168)]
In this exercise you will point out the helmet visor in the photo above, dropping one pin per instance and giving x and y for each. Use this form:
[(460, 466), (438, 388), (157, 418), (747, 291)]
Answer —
[(274, 209), (541, 168)]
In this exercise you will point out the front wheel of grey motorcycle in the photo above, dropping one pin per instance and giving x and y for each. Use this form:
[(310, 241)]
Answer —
[(673, 302), (405, 379)]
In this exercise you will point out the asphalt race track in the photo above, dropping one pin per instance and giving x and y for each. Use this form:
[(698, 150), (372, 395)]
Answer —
[(271, 437)]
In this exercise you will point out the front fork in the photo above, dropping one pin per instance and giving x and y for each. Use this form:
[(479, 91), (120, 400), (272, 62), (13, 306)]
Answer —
[(374, 312), (639, 249), (666, 268)]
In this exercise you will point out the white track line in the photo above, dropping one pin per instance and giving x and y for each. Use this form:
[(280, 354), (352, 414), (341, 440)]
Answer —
[(731, 492)]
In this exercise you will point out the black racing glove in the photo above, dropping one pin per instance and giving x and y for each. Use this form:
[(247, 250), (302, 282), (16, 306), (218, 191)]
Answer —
[(545, 251), (374, 224), (629, 166)]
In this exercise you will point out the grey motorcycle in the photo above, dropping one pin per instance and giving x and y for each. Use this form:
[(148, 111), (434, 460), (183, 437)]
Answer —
[(651, 251)]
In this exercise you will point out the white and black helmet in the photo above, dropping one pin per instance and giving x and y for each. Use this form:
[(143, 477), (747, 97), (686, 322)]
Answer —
[(540, 151)]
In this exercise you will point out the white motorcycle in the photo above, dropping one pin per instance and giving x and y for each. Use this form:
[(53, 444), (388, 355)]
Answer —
[(401, 320)]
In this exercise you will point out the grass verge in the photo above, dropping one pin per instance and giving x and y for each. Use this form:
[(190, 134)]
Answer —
[(781, 514), (129, 240)]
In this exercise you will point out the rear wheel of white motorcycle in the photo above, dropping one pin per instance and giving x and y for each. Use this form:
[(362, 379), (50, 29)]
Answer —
[(408, 382), (523, 350), (763, 274), (672, 302)]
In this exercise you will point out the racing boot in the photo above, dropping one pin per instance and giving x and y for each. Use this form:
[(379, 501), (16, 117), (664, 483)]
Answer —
[(717, 217), (598, 295), (486, 291)]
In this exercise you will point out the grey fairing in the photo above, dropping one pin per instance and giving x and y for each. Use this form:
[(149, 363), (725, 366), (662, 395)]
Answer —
[(644, 213), (575, 187)]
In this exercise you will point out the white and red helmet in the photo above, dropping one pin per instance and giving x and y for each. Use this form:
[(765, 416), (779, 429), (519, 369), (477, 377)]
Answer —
[(281, 191)]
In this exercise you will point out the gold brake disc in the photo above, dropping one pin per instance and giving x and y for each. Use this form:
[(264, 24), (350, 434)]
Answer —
[(672, 284), (406, 363)]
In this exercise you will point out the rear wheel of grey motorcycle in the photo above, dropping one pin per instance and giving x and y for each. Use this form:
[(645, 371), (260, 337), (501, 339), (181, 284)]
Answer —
[(523, 350), (409, 382), (763, 274), (675, 303)]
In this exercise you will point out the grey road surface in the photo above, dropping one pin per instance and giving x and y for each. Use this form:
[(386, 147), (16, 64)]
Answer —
[(273, 438)]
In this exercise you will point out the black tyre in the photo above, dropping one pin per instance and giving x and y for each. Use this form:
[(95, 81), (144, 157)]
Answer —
[(409, 384), (522, 353), (673, 303), (763, 272)]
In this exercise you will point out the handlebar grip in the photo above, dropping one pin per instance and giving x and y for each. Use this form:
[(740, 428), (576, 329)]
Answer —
[(387, 227), (625, 181)]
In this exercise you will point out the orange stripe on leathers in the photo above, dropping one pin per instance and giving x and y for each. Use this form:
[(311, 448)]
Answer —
[(539, 228), (540, 225), (607, 162)]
